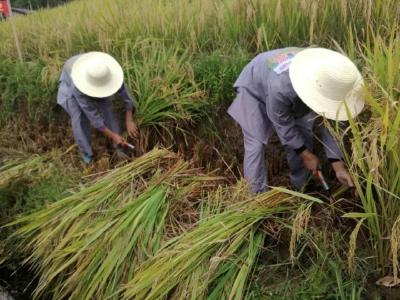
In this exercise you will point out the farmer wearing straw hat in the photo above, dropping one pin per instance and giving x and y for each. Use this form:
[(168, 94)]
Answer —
[(87, 83), (286, 89)]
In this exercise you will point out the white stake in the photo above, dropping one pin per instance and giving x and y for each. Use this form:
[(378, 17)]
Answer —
[(14, 29)]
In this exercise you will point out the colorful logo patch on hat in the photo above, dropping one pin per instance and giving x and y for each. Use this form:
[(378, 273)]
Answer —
[(280, 62)]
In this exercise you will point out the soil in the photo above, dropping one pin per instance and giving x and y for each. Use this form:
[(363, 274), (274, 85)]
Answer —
[(382, 293), (18, 283)]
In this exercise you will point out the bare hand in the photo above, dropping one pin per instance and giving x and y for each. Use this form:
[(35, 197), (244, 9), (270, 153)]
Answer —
[(344, 178), (342, 175), (131, 128), (310, 160), (119, 140)]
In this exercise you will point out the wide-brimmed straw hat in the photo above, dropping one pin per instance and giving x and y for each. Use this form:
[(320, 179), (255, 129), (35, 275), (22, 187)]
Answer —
[(97, 74), (327, 82)]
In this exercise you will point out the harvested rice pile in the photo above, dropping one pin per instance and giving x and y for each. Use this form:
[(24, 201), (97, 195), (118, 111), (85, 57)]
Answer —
[(87, 244), (215, 259), (154, 228)]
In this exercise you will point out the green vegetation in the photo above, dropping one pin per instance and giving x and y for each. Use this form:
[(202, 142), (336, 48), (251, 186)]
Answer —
[(20, 169), (181, 36), (28, 183), (152, 229), (214, 260), (90, 242), (374, 157)]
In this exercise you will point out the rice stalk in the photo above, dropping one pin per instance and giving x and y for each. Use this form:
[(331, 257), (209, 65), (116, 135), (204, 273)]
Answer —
[(3, 256), (187, 29), (22, 168), (165, 82), (231, 279), (395, 247), (374, 157), (353, 245), (97, 194), (300, 224), (226, 244), (100, 265), (86, 245)]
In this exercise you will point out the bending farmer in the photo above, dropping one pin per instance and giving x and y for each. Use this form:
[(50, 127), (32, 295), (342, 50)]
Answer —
[(285, 90), (87, 83)]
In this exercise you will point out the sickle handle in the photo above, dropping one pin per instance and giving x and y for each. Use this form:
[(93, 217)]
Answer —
[(321, 179)]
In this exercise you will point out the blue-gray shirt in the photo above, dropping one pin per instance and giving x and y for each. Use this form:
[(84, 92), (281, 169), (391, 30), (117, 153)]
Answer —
[(274, 101), (67, 90)]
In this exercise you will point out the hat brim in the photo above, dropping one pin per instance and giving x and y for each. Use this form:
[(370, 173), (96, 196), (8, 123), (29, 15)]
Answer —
[(79, 78), (303, 75)]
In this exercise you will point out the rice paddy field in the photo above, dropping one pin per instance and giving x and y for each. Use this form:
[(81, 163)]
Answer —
[(176, 221)]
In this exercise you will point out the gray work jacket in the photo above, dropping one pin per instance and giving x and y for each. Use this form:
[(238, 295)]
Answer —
[(67, 90), (274, 102)]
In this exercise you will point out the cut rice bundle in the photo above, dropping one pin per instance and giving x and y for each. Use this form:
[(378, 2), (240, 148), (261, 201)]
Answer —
[(214, 260), (88, 244)]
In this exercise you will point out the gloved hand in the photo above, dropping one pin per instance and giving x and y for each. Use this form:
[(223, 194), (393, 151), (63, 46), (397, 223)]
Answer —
[(310, 160), (342, 175)]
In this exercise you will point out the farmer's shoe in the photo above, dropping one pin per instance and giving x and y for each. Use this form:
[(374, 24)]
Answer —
[(87, 159)]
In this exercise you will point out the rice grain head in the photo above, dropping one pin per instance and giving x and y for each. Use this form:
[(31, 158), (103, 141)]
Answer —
[(300, 224), (352, 245)]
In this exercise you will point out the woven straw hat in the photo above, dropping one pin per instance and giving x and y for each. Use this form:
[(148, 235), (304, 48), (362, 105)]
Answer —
[(97, 74), (327, 81)]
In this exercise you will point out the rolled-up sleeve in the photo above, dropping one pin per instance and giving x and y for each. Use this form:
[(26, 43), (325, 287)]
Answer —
[(127, 98), (331, 147), (90, 110), (279, 112)]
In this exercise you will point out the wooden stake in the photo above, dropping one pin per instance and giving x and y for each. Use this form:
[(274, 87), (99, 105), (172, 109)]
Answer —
[(14, 29)]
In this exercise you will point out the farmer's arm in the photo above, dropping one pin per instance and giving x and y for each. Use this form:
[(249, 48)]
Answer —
[(335, 156), (331, 146), (95, 119), (119, 140), (279, 112), (130, 109)]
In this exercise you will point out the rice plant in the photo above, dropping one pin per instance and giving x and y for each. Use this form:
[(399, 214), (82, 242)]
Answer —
[(215, 259), (23, 168), (187, 30), (86, 245), (168, 99), (180, 59), (375, 152)]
